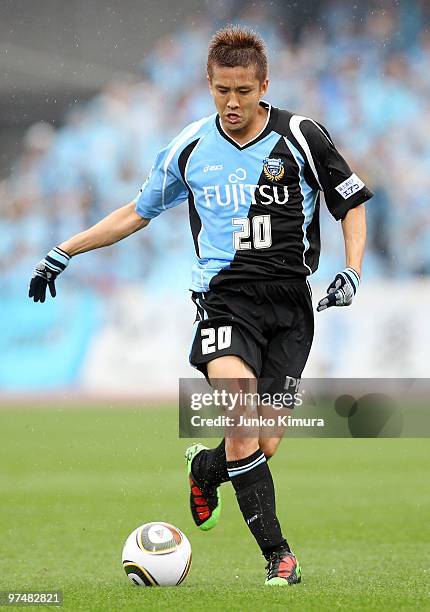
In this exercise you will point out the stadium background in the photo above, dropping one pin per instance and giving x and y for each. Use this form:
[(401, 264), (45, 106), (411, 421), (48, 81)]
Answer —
[(91, 91), (88, 92)]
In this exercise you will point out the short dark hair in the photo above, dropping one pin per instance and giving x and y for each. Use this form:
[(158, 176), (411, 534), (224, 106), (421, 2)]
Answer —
[(238, 46)]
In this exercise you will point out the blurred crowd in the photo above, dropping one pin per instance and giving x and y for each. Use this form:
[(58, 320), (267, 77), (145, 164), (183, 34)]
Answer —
[(363, 74)]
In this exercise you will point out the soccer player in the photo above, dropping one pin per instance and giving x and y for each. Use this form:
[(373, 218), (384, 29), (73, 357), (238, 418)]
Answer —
[(252, 175)]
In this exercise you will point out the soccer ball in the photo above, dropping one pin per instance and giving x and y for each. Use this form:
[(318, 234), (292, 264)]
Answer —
[(156, 554)]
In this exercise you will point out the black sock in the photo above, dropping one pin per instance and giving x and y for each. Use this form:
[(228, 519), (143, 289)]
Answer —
[(209, 467), (252, 481)]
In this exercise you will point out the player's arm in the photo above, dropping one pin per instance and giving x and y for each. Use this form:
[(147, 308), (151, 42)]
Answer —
[(354, 235), (164, 188), (114, 227), (342, 290), (345, 194), (118, 225)]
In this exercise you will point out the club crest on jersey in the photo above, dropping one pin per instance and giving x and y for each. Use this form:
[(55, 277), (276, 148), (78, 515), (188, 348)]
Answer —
[(273, 168)]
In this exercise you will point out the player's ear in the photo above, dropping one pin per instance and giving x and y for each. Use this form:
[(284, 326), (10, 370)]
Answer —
[(209, 83), (264, 87)]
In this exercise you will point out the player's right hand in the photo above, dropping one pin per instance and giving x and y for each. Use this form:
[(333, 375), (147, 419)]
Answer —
[(46, 272)]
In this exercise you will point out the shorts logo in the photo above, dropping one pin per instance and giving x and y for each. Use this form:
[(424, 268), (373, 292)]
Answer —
[(273, 168), (350, 186)]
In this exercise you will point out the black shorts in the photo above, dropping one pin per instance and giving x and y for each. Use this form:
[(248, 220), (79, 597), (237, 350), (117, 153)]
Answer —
[(270, 325)]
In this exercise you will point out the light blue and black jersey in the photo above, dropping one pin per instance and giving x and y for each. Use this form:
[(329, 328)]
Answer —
[(253, 208)]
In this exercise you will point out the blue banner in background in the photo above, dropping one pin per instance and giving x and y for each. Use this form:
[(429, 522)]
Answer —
[(43, 346)]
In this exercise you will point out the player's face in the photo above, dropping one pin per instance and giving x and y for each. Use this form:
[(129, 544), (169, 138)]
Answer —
[(237, 93)]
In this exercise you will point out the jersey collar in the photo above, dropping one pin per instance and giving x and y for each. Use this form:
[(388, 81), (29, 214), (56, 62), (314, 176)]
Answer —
[(264, 132)]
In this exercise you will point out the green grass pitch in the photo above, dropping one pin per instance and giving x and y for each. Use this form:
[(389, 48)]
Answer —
[(75, 481)]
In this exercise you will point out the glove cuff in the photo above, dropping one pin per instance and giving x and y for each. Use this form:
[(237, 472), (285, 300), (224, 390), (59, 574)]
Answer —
[(353, 277), (57, 260), (63, 253)]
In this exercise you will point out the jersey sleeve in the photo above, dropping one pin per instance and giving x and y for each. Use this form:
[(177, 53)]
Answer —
[(342, 188), (164, 187)]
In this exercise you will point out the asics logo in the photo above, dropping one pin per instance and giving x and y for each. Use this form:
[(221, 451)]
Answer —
[(213, 168), (239, 176)]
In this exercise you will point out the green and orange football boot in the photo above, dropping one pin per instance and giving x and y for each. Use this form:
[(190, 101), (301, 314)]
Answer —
[(205, 502), (283, 569)]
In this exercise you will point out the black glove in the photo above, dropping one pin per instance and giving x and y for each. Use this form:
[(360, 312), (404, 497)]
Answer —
[(46, 272), (341, 291)]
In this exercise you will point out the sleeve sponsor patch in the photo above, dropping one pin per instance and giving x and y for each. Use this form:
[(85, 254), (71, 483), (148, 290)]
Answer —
[(350, 186)]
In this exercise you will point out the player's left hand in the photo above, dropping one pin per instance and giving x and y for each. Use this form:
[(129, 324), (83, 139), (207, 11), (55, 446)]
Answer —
[(342, 290)]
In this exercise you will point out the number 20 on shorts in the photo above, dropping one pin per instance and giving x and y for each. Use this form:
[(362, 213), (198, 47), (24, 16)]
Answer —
[(215, 339)]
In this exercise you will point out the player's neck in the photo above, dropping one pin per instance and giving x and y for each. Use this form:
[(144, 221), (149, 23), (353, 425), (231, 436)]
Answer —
[(252, 130)]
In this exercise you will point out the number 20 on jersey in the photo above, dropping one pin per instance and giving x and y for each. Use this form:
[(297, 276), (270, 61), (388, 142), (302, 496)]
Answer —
[(252, 233)]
